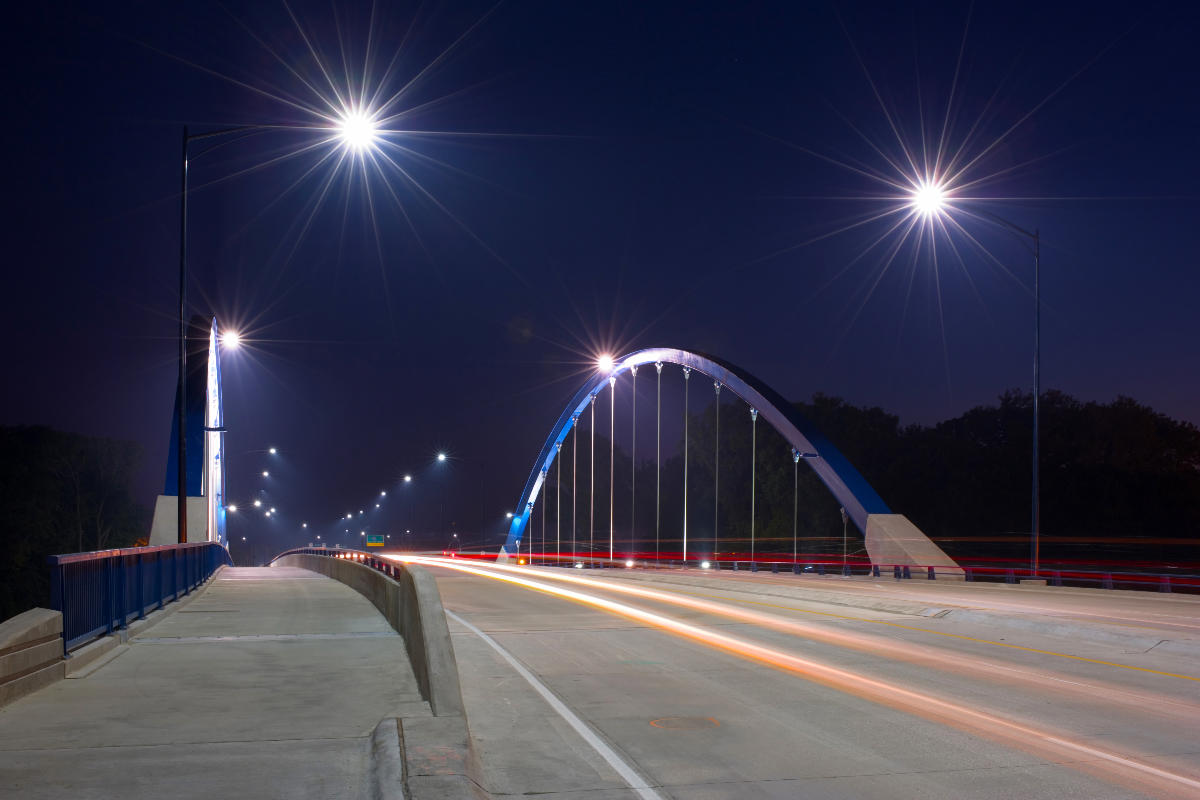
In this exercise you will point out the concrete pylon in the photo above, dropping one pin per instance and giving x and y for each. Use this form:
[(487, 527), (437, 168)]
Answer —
[(892, 540)]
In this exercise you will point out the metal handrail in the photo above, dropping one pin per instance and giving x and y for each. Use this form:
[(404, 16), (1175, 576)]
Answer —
[(104, 590)]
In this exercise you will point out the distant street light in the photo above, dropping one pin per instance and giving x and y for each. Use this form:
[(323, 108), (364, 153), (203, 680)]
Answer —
[(266, 474), (258, 503), (441, 456), (408, 478), (232, 508), (272, 451)]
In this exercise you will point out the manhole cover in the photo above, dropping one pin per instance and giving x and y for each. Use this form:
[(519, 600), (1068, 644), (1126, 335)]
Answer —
[(685, 723)]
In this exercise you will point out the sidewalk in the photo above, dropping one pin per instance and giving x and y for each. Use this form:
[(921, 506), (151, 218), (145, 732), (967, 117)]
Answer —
[(268, 684)]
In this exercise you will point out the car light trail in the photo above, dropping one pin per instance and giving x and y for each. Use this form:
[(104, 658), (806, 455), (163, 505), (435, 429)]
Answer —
[(1064, 751), (766, 620), (880, 646)]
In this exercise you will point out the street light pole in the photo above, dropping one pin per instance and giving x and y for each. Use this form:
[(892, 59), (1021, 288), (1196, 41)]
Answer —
[(181, 389), (1037, 358), (356, 131), (1035, 236)]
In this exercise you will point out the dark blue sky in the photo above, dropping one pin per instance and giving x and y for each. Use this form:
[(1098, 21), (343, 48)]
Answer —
[(644, 174)]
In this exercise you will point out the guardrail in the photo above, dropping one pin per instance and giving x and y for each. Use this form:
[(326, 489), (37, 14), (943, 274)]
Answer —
[(103, 591), (1143, 576)]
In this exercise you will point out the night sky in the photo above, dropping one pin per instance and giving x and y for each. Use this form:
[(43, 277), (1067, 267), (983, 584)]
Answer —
[(579, 178)]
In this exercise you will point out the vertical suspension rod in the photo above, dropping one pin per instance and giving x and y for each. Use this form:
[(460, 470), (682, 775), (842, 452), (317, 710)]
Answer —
[(658, 463), (687, 374), (574, 494), (612, 454), (558, 507), (795, 500), (753, 475), (717, 474), (592, 492), (633, 468)]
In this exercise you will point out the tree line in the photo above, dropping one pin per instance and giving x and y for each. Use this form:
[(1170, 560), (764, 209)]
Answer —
[(60, 493), (1118, 480)]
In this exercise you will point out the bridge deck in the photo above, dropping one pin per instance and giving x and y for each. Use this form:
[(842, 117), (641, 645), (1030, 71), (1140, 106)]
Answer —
[(268, 684)]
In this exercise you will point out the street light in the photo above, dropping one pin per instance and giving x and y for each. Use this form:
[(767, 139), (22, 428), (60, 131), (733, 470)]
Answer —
[(231, 340), (357, 130), (272, 451), (441, 456), (604, 363), (266, 474), (928, 198)]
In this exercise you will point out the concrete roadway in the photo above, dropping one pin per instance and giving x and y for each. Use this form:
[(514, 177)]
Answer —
[(829, 689)]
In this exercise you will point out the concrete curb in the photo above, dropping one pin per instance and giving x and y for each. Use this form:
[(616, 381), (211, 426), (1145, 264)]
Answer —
[(387, 761)]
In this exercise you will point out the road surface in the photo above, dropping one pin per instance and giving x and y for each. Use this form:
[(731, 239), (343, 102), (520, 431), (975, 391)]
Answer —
[(691, 685)]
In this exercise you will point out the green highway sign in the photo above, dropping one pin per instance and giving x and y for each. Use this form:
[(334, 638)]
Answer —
[(374, 540)]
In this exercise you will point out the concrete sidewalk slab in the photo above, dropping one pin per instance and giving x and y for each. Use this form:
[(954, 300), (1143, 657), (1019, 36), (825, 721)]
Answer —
[(269, 684)]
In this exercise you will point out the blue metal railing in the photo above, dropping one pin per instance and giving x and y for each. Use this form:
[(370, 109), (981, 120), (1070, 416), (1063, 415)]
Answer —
[(105, 590)]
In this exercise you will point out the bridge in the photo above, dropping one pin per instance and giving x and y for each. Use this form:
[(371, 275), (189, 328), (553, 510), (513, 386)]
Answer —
[(677, 656)]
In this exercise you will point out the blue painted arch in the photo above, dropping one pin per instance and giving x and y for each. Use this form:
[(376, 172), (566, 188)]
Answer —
[(841, 478)]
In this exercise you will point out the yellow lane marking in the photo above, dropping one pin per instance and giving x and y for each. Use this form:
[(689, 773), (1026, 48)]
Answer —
[(949, 635)]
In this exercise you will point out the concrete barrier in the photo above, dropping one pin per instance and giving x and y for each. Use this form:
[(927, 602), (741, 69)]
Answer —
[(31, 653), (892, 540), (413, 607), (435, 756)]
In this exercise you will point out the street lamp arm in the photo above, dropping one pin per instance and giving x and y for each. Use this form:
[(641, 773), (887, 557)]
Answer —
[(1002, 222)]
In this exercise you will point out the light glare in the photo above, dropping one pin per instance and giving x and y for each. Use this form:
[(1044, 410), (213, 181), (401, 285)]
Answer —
[(231, 339), (929, 198), (357, 130)]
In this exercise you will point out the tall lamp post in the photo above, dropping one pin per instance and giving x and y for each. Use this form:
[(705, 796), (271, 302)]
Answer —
[(1035, 243), (355, 130), (928, 199)]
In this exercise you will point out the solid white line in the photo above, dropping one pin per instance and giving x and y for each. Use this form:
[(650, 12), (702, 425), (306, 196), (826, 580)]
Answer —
[(622, 768)]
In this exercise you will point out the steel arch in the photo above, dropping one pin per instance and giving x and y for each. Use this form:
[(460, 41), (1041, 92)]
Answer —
[(839, 475)]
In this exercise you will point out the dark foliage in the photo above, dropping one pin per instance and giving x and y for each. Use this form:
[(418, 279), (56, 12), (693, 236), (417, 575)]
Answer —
[(60, 493)]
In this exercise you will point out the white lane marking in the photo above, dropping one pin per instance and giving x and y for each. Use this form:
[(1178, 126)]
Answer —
[(622, 767)]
